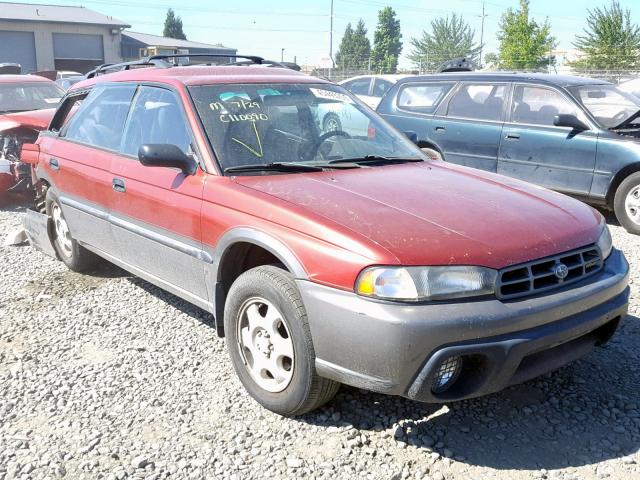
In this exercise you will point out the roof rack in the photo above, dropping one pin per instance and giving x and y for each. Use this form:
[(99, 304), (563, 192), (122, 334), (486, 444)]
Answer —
[(161, 61)]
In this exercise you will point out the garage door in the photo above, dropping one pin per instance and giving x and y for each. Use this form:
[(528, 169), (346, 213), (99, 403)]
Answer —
[(18, 47), (78, 52)]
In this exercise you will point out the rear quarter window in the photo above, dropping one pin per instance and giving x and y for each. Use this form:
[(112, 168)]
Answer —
[(422, 97)]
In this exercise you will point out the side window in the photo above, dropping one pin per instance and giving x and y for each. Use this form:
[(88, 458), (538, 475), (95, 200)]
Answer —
[(422, 98), (539, 105), (380, 87), (360, 86), (478, 102), (100, 120), (66, 112), (156, 117)]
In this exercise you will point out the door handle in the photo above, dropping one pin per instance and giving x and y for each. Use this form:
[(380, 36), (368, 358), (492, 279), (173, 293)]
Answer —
[(53, 163), (118, 185), (513, 136), (440, 129)]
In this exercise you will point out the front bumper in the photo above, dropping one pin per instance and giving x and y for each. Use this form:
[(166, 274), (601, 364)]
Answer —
[(396, 348)]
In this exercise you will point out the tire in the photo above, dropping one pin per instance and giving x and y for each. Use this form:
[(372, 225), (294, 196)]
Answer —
[(331, 123), (72, 254), (432, 153), (626, 203), (273, 352)]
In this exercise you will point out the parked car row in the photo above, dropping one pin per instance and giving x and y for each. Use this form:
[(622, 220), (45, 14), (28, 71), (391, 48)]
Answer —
[(327, 256), (574, 135)]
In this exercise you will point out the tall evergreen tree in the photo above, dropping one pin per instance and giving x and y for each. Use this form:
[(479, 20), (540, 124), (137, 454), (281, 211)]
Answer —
[(524, 45), (173, 26), (387, 42), (610, 41), (450, 37), (355, 48)]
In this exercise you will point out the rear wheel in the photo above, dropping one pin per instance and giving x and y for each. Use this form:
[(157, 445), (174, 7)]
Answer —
[(270, 344), (626, 203), (72, 254)]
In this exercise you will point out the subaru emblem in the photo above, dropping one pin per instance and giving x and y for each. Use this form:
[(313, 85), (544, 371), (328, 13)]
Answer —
[(561, 271)]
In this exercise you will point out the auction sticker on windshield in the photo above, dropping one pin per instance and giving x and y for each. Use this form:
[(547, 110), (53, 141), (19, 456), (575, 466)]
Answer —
[(330, 95)]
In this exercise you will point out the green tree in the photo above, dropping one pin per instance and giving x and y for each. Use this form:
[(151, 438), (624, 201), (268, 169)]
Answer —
[(524, 45), (610, 41), (387, 43), (173, 26), (355, 48), (450, 37)]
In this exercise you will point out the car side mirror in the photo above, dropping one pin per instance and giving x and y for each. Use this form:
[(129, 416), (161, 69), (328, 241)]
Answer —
[(30, 153), (413, 136), (570, 121), (166, 155)]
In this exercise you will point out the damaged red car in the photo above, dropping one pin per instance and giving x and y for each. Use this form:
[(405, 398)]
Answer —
[(18, 94), (325, 257)]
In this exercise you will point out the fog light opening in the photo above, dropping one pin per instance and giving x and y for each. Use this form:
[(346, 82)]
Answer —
[(448, 372)]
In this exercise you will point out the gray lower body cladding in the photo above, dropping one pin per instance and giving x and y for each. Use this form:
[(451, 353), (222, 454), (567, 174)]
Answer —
[(396, 348)]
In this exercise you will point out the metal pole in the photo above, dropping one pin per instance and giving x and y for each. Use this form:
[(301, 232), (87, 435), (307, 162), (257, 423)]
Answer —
[(282, 55), (482, 34), (331, 36)]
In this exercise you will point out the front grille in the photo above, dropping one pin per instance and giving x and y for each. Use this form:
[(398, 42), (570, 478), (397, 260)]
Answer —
[(547, 273)]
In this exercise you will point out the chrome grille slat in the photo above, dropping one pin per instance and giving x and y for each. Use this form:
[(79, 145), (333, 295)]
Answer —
[(537, 276)]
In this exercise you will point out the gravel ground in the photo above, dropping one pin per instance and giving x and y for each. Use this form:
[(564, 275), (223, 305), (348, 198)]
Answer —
[(106, 376)]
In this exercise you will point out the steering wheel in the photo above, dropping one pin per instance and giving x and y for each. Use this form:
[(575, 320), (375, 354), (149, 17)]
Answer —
[(309, 152)]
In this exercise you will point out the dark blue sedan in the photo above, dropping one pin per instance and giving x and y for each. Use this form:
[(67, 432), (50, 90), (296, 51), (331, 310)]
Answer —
[(575, 135)]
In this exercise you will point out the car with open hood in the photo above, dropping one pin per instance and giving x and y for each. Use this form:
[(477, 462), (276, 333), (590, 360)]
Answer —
[(20, 93), (325, 258), (575, 135)]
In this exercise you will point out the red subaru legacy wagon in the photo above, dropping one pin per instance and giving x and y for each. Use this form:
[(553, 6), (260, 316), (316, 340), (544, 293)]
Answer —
[(326, 255)]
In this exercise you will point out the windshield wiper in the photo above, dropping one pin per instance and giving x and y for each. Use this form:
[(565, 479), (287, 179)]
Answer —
[(274, 167), (375, 159)]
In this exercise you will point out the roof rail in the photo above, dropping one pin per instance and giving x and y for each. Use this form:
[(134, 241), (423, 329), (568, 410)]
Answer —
[(160, 61)]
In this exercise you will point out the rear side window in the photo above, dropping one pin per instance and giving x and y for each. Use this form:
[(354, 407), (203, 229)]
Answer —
[(380, 87), (359, 86), (100, 120), (156, 117), (422, 98), (478, 102), (538, 105)]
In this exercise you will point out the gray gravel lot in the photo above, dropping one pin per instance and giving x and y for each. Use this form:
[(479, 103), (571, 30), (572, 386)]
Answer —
[(106, 376)]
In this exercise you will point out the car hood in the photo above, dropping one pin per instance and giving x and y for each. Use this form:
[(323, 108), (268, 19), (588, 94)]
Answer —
[(36, 119), (434, 213)]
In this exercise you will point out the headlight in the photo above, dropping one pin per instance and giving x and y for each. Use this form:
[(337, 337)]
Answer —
[(426, 283), (605, 244)]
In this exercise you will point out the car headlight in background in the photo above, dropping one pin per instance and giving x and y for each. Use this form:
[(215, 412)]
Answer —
[(426, 283), (605, 243)]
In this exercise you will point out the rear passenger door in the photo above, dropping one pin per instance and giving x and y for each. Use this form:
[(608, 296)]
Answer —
[(78, 160), (156, 211), (535, 150), (468, 128)]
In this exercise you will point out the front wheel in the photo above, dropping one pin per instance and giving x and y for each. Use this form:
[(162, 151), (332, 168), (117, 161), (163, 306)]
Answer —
[(626, 203), (270, 344)]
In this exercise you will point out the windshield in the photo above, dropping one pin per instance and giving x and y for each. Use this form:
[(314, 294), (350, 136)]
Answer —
[(261, 124), (29, 96), (608, 104)]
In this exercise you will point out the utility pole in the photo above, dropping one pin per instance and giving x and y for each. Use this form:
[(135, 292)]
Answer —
[(282, 55), (482, 34), (331, 35)]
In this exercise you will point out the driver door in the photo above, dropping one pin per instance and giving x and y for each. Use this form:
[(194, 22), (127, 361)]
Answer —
[(156, 210), (533, 149)]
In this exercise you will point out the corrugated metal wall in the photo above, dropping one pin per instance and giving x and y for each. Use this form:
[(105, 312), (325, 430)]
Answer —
[(18, 47)]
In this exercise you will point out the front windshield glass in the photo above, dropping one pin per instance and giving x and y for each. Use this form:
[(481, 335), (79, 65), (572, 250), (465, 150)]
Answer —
[(260, 124), (20, 97), (608, 104)]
